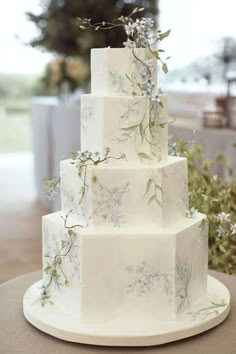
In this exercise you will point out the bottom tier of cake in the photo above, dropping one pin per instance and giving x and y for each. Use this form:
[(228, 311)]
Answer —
[(99, 276)]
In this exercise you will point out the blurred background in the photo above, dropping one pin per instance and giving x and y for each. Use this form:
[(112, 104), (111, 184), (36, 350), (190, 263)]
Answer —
[(44, 68)]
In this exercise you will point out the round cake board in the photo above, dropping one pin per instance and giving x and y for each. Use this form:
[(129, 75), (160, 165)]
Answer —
[(199, 318)]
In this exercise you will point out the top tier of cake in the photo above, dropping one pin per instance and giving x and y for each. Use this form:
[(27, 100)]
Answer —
[(117, 71), (118, 113)]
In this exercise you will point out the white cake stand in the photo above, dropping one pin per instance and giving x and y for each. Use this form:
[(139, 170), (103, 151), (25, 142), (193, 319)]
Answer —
[(197, 319)]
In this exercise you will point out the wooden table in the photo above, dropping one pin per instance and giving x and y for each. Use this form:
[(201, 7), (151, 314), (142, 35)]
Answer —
[(17, 336)]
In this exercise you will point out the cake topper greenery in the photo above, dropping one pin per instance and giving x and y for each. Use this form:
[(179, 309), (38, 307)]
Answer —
[(140, 33)]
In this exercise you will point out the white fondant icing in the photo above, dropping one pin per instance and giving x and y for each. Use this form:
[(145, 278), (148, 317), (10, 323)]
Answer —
[(133, 275)]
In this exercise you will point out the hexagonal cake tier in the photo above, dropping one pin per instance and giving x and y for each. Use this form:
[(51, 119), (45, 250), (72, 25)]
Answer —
[(133, 276), (131, 196)]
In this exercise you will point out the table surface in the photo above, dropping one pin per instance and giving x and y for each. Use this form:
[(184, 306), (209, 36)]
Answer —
[(17, 336)]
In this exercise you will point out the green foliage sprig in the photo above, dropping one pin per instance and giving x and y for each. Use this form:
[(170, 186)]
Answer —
[(215, 197), (54, 269), (51, 186), (84, 159), (139, 32)]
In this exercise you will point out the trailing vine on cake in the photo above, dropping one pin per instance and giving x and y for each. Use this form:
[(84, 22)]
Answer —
[(51, 186), (86, 159), (54, 269)]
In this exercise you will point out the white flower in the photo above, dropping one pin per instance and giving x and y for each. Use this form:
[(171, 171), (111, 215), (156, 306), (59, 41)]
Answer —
[(191, 213), (140, 30), (129, 44), (220, 231), (233, 229), (223, 217), (174, 150)]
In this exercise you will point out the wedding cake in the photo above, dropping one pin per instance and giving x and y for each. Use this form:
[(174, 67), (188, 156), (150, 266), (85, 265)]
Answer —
[(125, 248), (125, 260)]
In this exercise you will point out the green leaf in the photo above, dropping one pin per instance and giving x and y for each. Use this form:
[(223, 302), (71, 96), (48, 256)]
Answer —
[(165, 68), (148, 186), (164, 34), (47, 269), (130, 129), (143, 156), (70, 232), (135, 10), (162, 125), (121, 19), (234, 145), (222, 249), (152, 199), (73, 155), (155, 53), (94, 179)]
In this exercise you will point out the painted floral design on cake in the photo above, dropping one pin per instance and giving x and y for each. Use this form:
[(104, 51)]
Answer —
[(78, 209), (57, 247), (118, 82), (87, 115), (183, 275), (201, 312), (108, 203), (144, 277)]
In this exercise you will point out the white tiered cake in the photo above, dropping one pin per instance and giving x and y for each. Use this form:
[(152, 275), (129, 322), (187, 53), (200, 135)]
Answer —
[(134, 260), (123, 255)]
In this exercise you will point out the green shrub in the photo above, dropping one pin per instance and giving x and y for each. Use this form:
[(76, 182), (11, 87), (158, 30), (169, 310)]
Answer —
[(216, 197)]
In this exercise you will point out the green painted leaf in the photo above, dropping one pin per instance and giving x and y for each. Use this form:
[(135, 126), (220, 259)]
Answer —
[(152, 199), (121, 19), (158, 201), (47, 269), (165, 34), (165, 68), (155, 53), (148, 186), (94, 179), (141, 131), (73, 155), (144, 156), (130, 129)]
